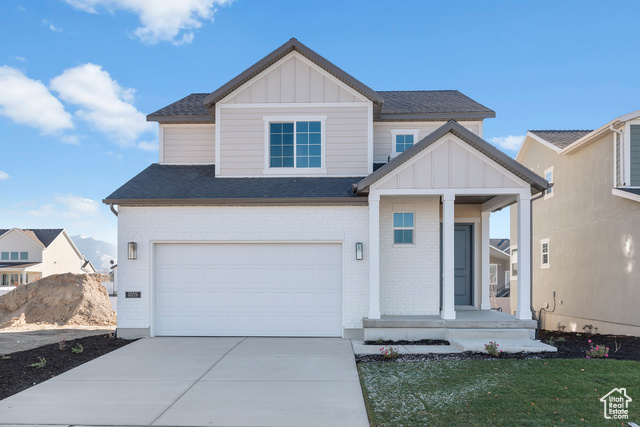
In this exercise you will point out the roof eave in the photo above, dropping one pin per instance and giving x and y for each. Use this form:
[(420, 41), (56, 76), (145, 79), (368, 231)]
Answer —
[(436, 116), (181, 119), (238, 201)]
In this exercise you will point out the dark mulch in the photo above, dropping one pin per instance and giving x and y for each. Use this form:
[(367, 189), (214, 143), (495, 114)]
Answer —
[(16, 375), (570, 345), (406, 342)]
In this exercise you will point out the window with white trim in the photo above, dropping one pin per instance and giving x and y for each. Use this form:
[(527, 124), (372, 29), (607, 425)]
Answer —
[(24, 256), (514, 261), (295, 144), (403, 226), (548, 175), (402, 140), (493, 274), (544, 253), (4, 256), (507, 279), (15, 256)]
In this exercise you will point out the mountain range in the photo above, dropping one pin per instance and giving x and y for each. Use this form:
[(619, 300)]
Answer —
[(99, 252)]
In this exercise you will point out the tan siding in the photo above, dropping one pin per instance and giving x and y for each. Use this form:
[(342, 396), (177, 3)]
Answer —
[(382, 143), (243, 139), (294, 80), (188, 144)]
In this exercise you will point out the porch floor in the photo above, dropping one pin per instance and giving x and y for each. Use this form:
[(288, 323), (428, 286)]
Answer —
[(465, 319)]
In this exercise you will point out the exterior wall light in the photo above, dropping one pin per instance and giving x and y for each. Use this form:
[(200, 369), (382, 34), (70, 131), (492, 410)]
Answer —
[(133, 250), (359, 254)]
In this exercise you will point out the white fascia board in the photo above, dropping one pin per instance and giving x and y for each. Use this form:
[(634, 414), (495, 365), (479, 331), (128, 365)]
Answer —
[(625, 194), (497, 253), (73, 245)]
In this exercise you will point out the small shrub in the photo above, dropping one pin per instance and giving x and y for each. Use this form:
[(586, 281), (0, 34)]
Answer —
[(4, 357), (77, 349), (597, 351), (553, 340), (62, 344), (590, 329), (38, 365), (492, 349), (389, 352)]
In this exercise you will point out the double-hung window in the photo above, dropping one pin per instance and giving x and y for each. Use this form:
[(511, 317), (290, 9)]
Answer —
[(514, 262), (548, 175), (544, 253), (403, 226), (402, 140), (294, 144), (493, 274)]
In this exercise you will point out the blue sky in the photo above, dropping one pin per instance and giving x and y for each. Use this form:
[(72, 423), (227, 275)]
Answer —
[(77, 77)]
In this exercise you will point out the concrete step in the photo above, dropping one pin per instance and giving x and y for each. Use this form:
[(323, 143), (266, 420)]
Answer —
[(490, 334), (507, 345)]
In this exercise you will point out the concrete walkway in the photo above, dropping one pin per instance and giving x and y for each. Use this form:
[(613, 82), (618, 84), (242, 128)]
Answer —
[(202, 381)]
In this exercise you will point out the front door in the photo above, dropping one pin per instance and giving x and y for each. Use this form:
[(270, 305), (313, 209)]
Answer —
[(463, 261)]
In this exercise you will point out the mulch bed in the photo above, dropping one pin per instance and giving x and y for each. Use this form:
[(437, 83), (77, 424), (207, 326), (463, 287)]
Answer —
[(16, 374), (570, 345)]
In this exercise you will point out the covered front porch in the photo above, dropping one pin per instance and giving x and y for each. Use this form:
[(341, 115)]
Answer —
[(14, 274), (429, 216)]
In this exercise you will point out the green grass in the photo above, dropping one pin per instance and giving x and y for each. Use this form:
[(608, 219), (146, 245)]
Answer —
[(497, 392)]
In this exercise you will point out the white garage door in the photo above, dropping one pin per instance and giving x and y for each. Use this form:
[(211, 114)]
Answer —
[(248, 289)]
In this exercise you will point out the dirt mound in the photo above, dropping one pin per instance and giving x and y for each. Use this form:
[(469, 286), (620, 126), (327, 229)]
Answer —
[(69, 299)]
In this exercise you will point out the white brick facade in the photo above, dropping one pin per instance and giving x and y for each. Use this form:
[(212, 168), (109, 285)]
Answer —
[(144, 225), (409, 276)]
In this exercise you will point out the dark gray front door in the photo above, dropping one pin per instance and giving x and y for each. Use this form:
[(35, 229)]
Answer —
[(463, 261)]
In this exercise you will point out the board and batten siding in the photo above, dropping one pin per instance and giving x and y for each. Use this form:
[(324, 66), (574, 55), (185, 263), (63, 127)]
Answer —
[(294, 79), (243, 139), (188, 144), (383, 142), (634, 135)]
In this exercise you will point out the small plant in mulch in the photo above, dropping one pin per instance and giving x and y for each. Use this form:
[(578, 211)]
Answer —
[(597, 351), (39, 364), (4, 357), (389, 352), (77, 349), (590, 329), (62, 344), (492, 349), (552, 341)]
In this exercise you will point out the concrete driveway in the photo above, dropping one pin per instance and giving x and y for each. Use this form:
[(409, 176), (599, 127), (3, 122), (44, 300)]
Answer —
[(203, 381)]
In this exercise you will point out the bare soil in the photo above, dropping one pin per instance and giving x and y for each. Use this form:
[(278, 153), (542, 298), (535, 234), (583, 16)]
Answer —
[(16, 374)]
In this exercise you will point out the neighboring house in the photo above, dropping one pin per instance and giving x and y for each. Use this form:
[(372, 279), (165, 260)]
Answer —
[(28, 255), (500, 274), (296, 201), (586, 229)]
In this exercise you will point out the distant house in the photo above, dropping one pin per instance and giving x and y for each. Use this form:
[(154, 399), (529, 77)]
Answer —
[(586, 228), (499, 267), (28, 255)]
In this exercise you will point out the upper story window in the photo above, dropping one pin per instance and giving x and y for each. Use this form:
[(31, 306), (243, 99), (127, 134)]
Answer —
[(548, 175), (4, 256), (295, 144), (402, 140), (15, 256), (24, 256), (544, 253), (403, 228)]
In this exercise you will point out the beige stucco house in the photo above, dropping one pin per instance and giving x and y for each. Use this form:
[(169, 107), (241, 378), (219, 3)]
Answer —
[(31, 254), (294, 200), (586, 229)]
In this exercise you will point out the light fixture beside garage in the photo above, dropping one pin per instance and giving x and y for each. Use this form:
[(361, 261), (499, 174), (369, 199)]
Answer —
[(359, 255), (133, 250)]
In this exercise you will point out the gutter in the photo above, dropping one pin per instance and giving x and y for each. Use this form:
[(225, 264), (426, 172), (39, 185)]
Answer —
[(115, 212), (238, 202), (533, 311)]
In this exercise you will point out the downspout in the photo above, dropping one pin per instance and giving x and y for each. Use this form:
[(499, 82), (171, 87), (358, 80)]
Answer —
[(533, 311), (619, 132), (115, 212)]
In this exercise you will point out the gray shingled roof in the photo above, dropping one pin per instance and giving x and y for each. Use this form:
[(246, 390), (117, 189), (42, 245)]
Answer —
[(40, 236), (502, 244), (448, 104), (398, 105), (561, 138), (172, 184)]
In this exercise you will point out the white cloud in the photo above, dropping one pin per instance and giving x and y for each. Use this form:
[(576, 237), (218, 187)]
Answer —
[(3, 175), (68, 206), (51, 26), (27, 101), (70, 139), (19, 58), (162, 20), (509, 142), (148, 145), (102, 102)]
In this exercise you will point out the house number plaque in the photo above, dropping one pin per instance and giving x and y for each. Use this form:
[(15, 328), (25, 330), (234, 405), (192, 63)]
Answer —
[(135, 294)]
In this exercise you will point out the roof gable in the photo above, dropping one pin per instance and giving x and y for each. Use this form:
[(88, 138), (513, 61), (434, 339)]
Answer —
[(278, 54), (434, 151), (41, 237)]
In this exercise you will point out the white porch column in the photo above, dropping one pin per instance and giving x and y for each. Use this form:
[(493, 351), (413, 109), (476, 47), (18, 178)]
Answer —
[(523, 305), (374, 256), (448, 254), (485, 303), (24, 277)]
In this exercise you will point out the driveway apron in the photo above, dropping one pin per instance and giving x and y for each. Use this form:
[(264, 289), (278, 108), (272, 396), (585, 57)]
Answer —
[(203, 381)]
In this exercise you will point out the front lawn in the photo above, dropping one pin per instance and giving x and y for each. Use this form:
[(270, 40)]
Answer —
[(501, 392)]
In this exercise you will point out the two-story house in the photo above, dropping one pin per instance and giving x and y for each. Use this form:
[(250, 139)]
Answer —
[(586, 228), (31, 254), (296, 201)]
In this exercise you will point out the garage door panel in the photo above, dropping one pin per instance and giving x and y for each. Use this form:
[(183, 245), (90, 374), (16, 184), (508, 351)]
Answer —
[(248, 289)]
